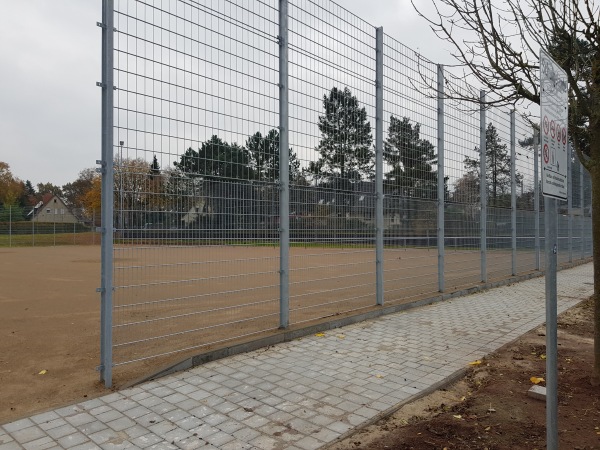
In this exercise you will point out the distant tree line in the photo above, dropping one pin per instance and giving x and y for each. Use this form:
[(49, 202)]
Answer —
[(238, 184)]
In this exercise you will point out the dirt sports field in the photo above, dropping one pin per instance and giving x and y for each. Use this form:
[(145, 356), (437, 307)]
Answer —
[(49, 308)]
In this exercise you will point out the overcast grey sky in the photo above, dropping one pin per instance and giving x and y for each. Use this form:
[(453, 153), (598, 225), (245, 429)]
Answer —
[(50, 57)]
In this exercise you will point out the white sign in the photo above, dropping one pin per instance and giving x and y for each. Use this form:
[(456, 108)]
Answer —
[(554, 122)]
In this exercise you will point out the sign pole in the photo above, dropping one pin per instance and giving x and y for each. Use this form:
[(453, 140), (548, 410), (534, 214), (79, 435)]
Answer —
[(550, 218), (555, 174)]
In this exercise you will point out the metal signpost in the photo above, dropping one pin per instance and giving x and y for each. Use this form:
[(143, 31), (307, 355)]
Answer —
[(554, 114)]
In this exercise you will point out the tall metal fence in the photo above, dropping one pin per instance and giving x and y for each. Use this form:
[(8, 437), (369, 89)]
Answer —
[(271, 164), (20, 227)]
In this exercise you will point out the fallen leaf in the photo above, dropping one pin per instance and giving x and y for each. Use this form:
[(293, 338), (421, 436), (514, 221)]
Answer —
[(378, 376), (543, 356), (341, 336), (458, 416), (488, 428), (320, 334), (536, 380), (475, 363), (463, 399), (42, 372)]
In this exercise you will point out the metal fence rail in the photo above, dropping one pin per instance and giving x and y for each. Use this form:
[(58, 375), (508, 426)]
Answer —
[(273, 163)]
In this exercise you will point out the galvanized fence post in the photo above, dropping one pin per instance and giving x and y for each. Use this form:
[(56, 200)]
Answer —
[(284, 182), (379, 226), (536, 197), (107, 170), (483, 186), (570, 200), (10, 226), (440, 176), (513, 192)]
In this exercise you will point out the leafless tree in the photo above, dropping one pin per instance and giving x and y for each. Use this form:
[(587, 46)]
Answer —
[(496, 44)]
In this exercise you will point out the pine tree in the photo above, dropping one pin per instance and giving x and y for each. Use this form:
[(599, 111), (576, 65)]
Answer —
[(497, 170), (345, 147), (264, 157), (411, 159)]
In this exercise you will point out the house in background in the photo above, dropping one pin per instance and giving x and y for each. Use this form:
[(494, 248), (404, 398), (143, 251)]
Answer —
[(54, 210)]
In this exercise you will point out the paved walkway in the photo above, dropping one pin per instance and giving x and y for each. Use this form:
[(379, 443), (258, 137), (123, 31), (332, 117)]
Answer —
[(306, 393)]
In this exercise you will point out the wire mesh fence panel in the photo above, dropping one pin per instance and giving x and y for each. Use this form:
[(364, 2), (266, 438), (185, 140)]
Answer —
[(409, 174), (331, 116), (577, 209), (201, 227), (463, 209), (526, 184), (587, 214), (499, 190), (195, 175), (26, 226)]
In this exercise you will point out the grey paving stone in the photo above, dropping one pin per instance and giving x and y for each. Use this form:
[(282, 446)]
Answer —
[(91, 404), (100, 409), (215, 419), (146, 440), (101, 437), (163, 446), (265, 442), (53, 424), (18, 425), (136, 412), (40, 444), (124, 405), (29, 434), (109, 416), (71, 440), (203, 431), (246, 434), (219, 439), (189, 422), (92, 427), (255, 421), (80, 419), (4, 437), (45, 417), (11, 446), (86, 446), (309, 443), (199, 394), (191, 443), (113, 397), (161, 428), (177, 434), (236, 445), (63, 430), (121, 423), (162, 407)]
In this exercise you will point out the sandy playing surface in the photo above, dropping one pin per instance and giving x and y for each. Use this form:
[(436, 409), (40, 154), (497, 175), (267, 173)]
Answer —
[(50, 310)]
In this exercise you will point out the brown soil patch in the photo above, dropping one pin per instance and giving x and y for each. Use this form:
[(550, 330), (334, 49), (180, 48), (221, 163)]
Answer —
[(489, 407)]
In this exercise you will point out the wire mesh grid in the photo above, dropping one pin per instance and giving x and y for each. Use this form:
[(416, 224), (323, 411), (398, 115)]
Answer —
[(499, 189), (195, 175), (331, 114), (410, 173), (197, 186), (526, 183), (462, 215)]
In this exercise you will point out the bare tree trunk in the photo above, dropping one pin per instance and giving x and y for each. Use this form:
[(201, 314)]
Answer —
[(595, 179)]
